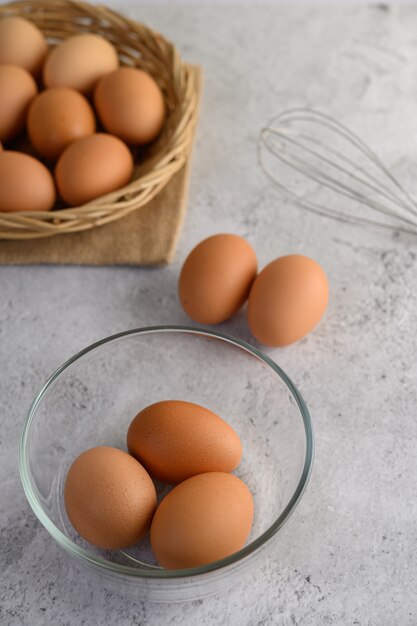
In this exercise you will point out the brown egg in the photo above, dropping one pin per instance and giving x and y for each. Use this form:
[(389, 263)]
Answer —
[(203, 519), (174, 440), (79, 62), (57, 117), (287, 300), (130, 105), (25, 183), (109, 498), (216, 278), (91, 167), (17, 90), (22, 43)]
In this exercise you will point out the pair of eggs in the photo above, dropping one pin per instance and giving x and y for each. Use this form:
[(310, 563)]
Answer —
[(111, 500), (90, 167), (286, 300)]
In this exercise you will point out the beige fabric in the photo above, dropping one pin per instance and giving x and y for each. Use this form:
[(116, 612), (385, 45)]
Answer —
[(147, 236)]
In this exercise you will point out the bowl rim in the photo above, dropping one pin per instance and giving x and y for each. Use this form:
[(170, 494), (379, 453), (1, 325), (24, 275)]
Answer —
[(162, 574)]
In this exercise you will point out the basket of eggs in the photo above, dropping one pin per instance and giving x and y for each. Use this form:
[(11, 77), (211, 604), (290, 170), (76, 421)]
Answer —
[(97, 113)]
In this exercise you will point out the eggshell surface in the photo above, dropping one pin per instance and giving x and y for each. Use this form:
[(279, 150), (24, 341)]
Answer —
[(17, 90), (22, 43), (91, 167), (130, 105), (57, 117), (79, 62), (174, 440), (216, 278), (287, 300), (203, 519), (109, 498), (25, 183)]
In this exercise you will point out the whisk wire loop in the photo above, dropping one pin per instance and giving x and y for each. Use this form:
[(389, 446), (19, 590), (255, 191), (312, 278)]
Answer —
[(294, 139)]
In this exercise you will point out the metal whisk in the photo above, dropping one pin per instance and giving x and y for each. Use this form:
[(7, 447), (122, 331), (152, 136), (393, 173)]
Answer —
[(305, 153)]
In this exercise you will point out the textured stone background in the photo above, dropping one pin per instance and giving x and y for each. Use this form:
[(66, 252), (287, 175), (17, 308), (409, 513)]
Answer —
[(348, 555)]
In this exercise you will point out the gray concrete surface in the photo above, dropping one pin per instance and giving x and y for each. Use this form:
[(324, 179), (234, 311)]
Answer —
[(348, 555)]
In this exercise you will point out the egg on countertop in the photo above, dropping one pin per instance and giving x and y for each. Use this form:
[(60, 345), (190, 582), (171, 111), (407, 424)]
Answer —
[(91, 167), (216, 278), (25, 183), (109, 498), (130, 105), (203, 519), (79, 62), (57, 117), (22, 43), (174, 440), (17, 90), (287, 300)]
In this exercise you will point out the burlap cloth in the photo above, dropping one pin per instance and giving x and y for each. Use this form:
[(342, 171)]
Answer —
[(147, 236)]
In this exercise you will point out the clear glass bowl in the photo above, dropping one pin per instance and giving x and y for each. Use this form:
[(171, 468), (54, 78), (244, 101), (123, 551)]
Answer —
[(90, 401)]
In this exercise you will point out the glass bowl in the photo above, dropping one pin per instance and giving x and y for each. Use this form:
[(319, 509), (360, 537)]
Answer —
[(91, 399)]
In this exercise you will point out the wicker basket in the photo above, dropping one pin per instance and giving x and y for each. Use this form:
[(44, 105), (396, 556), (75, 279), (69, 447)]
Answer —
[(137, 46)]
